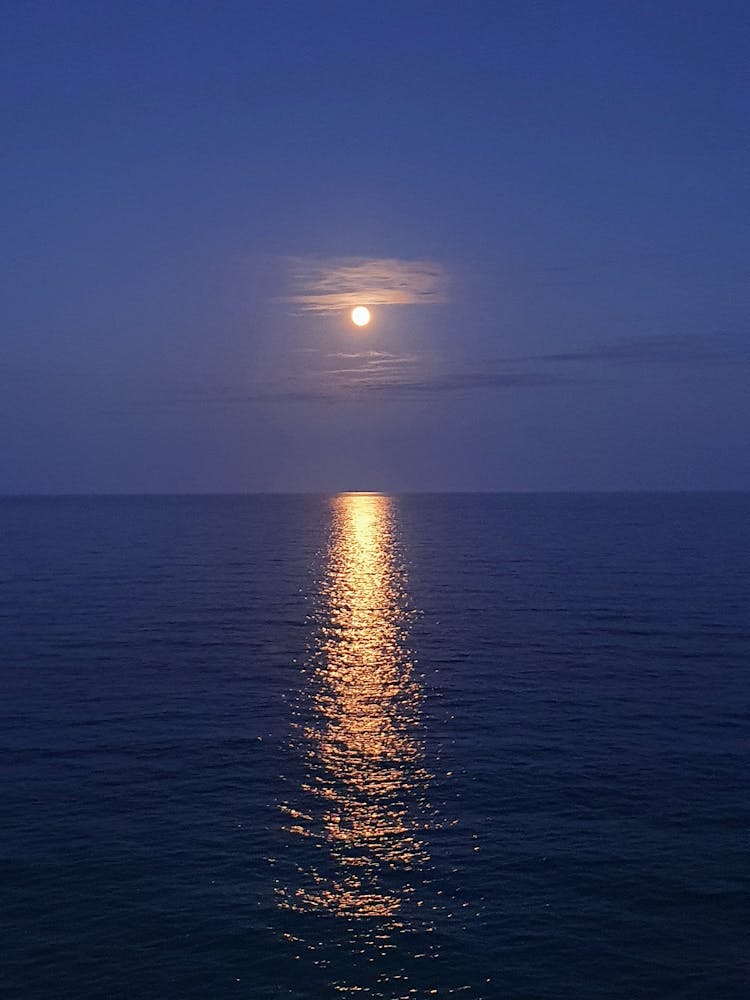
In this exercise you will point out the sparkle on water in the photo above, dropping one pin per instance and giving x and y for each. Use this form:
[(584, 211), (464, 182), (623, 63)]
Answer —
[(363, 802)]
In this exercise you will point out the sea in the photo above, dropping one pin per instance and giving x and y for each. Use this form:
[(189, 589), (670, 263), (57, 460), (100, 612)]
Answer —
[(375, 747)]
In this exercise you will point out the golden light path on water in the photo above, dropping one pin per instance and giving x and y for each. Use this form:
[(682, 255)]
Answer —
[(366, 877), (365, 784), (362, 803)]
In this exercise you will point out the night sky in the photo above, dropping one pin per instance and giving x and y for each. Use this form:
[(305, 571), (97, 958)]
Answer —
[(545, 204)]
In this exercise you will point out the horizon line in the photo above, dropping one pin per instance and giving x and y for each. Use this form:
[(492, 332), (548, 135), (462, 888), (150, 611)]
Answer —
[(94, 495)]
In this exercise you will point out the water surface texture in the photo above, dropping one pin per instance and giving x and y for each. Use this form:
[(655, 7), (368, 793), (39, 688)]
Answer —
[(371, 746)]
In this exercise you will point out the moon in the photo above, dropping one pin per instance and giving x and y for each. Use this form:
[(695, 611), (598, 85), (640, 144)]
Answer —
[(360, 316)]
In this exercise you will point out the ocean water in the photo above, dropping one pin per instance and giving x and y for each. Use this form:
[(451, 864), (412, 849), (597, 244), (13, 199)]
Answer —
[(375, 747)]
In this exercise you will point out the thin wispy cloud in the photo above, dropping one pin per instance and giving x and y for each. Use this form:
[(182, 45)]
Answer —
[(344, 377), (718, 348), (359, 384), (349, 376), (333, 285)]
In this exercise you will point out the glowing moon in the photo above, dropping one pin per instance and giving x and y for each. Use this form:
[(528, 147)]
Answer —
[(360, 316)]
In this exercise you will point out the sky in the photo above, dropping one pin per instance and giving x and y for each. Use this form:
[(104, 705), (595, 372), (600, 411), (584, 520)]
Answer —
[(544, 205)]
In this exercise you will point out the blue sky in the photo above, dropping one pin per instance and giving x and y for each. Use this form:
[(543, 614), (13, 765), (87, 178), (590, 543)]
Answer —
[(576, 173)]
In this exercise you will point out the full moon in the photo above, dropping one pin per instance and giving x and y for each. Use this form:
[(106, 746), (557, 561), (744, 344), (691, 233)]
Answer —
[(360, 316)]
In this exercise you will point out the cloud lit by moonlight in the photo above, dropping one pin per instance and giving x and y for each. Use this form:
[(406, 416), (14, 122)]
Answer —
[(334, 285)]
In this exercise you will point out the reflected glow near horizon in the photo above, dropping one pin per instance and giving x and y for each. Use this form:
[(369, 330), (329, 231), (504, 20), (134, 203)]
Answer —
[(365, 780)]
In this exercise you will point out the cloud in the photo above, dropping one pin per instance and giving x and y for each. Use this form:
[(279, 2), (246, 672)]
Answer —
[(458, 381), (391, 377), (349, 375), (719, 348), (332, 285)]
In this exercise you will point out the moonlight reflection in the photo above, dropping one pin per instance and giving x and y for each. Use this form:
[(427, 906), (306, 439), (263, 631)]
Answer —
[(362, 801)]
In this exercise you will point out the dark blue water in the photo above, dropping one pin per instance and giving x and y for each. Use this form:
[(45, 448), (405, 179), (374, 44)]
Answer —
[(482, 746)]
